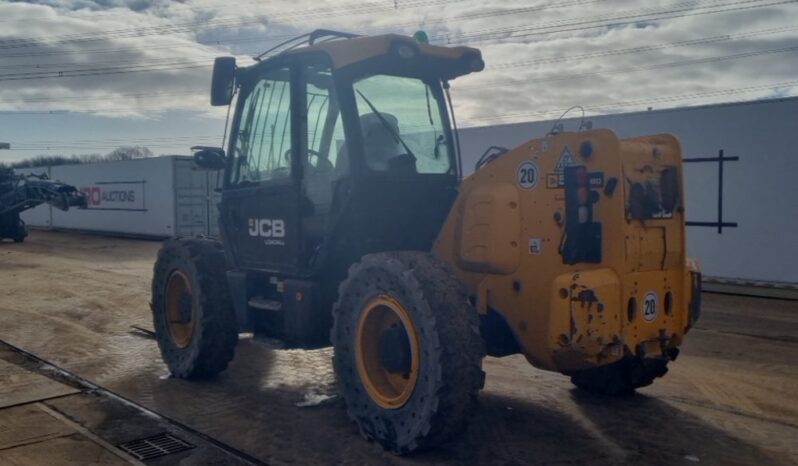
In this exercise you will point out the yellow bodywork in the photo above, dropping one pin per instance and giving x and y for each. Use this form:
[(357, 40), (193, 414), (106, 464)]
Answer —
[(358, 49), (503, 238)]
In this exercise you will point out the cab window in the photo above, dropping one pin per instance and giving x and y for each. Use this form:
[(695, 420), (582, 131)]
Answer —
[(263, 140)]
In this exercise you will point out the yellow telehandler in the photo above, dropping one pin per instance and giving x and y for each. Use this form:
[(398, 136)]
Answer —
[(345, 220)]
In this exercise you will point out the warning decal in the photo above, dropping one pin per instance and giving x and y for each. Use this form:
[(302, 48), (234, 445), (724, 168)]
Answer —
[(556, 179), (566, 160)]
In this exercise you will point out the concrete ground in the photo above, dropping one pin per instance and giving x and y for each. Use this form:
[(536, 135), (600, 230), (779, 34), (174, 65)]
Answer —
[(74, 300)]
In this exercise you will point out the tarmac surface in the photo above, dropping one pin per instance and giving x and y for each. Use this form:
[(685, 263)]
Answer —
[(75, 301)]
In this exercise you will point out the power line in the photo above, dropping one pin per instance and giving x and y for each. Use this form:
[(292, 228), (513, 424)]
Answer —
[(352, 9), (649, 101), (494, 84), (540, 60), (188, 64), (695, 61), (559, 77), (127, 141), (99, 72), (97, 144), (470, 37), (466, 17), (645, 48), (138, 95), (583, 25), (693, 96)]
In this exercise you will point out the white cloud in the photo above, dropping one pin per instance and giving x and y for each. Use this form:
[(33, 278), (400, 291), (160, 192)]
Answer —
[(533, 76)]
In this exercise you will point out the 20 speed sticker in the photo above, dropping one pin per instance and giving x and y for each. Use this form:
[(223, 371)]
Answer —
[(527, 175), (650, 306)]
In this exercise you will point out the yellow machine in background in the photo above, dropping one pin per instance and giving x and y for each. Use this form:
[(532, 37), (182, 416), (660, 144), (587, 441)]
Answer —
[(345, 220)]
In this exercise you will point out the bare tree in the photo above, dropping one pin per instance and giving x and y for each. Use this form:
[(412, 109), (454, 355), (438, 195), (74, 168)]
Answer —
[(129, 153), (121, 153)]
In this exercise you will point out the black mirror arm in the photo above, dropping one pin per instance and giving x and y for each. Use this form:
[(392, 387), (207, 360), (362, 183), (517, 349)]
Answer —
[(210, 158)]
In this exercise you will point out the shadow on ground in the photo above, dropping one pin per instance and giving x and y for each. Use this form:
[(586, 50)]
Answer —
[(253, 407)]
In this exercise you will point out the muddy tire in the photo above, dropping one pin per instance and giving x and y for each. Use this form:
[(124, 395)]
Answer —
[(195, 324), (408, 354), (621, 378)]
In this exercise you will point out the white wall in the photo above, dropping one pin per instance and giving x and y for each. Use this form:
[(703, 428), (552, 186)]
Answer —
[(760, 191)]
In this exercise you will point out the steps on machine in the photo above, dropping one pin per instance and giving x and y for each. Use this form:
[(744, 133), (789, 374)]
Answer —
[(264, 304)]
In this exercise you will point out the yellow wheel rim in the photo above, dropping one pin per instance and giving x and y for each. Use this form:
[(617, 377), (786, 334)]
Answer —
[(387, 352), (180, 309)]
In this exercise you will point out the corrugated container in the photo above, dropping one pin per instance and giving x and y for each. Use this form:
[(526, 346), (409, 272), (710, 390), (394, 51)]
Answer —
[(154, 197)]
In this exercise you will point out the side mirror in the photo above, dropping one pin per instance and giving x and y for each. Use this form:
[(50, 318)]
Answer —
[(209, 158), (223, 81)]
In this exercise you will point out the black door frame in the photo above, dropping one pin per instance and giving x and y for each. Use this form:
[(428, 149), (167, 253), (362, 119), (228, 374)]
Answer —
[(231, 224)]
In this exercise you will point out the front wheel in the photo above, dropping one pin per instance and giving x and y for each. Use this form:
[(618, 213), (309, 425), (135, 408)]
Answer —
[(408, 354), (195, 324)]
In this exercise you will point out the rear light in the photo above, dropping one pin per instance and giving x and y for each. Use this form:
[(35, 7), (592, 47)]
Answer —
[(581, 176), (582, 242), (581, 196), (584, 214)]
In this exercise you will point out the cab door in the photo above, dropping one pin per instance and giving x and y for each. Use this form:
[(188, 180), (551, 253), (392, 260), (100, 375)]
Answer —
[(260, 203), (323, 153)]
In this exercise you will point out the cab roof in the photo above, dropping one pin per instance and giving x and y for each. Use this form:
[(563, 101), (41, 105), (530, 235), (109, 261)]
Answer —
[(347, 49)]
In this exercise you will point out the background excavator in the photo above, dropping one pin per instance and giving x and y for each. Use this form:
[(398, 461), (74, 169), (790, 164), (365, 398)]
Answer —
[(19, 193), (345, 221)]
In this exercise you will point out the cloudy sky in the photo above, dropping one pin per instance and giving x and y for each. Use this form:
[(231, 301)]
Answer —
[(83, 76)]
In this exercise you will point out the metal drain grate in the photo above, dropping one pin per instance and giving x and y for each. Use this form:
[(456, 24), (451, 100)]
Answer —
[(155, 446)]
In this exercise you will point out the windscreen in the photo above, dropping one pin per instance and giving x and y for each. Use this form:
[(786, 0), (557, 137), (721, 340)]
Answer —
[(403, 117)]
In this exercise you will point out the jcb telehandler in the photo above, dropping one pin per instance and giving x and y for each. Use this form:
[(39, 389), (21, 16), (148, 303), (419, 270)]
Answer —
[(344, 221)]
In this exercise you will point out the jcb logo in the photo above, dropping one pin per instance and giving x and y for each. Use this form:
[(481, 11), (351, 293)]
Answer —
[(267, 227)]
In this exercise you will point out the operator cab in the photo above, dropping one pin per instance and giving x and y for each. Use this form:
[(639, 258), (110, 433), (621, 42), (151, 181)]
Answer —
[(332, 144), (340, 146)]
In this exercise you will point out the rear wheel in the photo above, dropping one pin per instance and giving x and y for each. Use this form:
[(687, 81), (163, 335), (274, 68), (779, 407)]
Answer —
[(408, 355), (622, 377), (195, 324)]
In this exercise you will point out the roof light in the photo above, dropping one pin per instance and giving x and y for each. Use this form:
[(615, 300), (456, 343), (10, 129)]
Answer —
[(421, 37)]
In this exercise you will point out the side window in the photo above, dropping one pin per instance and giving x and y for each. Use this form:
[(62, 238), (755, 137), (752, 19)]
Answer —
[(263, 141)]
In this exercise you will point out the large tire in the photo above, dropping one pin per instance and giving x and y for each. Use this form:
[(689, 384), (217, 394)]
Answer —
[(620, 378), (189, 279), (442, 383)]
